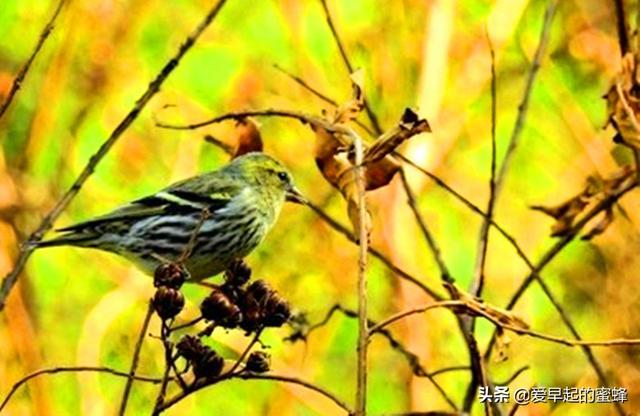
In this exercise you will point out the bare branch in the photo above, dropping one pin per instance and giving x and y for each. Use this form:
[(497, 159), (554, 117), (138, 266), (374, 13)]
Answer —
[(431, 242), (345, 58), (22, 73), (304, 84), (46, 224), (483, 240), (136, 357), (76, 369), (458, 305), (204, 382), (363, 245), (524, 104)]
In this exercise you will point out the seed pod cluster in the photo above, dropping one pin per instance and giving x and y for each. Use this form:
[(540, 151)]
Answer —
[(248, 306), (168, 301)]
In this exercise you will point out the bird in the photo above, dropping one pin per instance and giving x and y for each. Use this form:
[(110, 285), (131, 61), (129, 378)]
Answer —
[(205, 222)]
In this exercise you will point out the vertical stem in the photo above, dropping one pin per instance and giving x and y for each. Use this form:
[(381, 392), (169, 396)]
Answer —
[(134, 361), (363, 329)]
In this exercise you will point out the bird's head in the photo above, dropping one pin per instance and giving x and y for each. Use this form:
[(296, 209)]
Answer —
[(269, 175)]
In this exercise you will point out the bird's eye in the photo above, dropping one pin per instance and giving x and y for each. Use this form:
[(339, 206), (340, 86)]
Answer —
[(283, 176)]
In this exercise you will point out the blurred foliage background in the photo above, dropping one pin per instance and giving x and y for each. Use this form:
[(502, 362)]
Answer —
[(78, 307)]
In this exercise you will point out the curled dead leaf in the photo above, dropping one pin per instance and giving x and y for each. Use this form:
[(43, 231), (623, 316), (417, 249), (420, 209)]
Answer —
[(565, 213), (380, 173), (600, 226), (336, 168), (248, 137), (410, 125), (623, 103)]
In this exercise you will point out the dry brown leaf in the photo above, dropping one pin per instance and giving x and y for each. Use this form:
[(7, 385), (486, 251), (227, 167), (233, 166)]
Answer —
[(410, 124), (248, 137), (596, 189), (339, 172), (479, 307), (623, 103), (600, 226), (565, 213), (380, 173)]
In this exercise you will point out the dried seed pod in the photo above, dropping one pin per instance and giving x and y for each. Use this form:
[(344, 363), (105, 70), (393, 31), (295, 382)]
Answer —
[(190, 347), (168, 302), (258, 362), (257, 292), (277, 311), (219, 308), (252, 318), (170, 275), (209, 364), (238, 273)]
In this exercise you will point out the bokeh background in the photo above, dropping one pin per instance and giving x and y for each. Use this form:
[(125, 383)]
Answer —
[(80, 307)]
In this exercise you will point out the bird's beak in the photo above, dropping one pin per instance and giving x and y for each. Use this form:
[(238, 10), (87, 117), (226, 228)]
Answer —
[(294, 195)]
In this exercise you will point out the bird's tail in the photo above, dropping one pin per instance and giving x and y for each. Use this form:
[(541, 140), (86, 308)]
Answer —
[(70, 239)]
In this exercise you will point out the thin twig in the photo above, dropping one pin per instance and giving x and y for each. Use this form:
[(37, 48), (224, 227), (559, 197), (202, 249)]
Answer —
[(513, 376), (483, 240), (304, 84), (345, 58), (75, 369), (456, 305), (467, 324), (135, 359), (46, 224), (445, 370), (244, 353), (524, 104), (186, 324), (431, 242), (22, 73), (206, 382), (269, 112), (168, 358)]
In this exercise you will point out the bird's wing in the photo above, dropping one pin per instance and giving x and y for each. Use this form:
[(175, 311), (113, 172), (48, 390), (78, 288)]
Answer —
[(183, 197)]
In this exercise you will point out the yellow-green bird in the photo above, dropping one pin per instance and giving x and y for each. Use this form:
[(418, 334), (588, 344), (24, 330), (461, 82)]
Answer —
[(242, 201)]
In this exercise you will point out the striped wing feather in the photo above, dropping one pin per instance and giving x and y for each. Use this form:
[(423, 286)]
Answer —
[(183, 197)]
